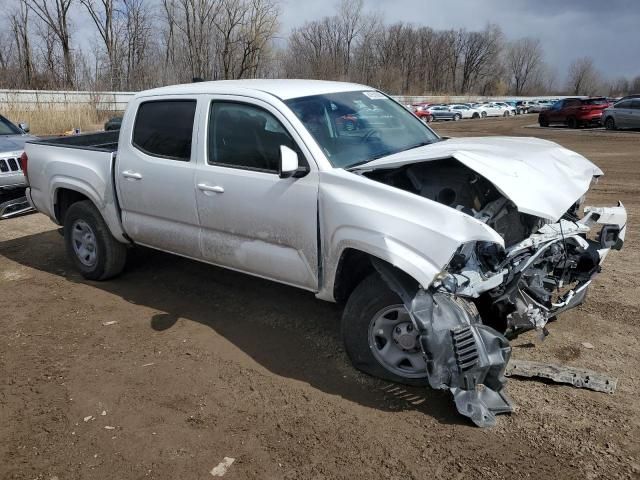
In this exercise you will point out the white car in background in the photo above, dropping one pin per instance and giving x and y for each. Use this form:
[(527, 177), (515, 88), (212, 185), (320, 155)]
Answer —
[(465, 110), (492, 109), (512, 110)]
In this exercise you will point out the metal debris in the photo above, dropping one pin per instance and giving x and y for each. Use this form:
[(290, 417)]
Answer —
[(112, 322), (578, 377)]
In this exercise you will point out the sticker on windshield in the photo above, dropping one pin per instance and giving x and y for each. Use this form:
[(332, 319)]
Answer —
[(375, 95)]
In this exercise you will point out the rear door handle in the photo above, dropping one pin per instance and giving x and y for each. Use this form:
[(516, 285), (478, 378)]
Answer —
[(210, 188), (131, 175)]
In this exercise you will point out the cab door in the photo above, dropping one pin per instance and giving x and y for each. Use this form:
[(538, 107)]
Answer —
[(251, 219), (155, 175)]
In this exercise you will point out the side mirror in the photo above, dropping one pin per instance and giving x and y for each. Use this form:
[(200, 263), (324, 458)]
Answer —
[(24, 127), (289, 165)]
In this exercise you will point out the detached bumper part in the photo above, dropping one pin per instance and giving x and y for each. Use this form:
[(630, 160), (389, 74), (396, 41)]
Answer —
[(462, 355)]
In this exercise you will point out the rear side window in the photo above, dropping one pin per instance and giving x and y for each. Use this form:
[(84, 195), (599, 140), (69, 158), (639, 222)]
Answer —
[(623, 104), (164, 128), (635, 105)]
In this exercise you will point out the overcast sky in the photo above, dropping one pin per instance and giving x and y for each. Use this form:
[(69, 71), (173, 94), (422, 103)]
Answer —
[(607, 30)]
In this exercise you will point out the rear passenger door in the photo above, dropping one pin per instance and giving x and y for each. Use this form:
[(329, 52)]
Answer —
[(252, 220), (155, 175)]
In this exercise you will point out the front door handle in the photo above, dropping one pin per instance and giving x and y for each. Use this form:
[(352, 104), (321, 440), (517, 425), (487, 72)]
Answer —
[(131, 175), (210, 188)]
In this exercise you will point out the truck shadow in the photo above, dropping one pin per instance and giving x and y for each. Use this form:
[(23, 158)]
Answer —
[(286, 330)]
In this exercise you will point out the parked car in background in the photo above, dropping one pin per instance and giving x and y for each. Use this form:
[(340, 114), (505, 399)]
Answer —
[(421, 110), (522, 106), (508, 107), (438, 247), (574, 112), (444, 112), (113, 123), (465, 110), (12, 182), (539, 106), (624, 114), (492, 109)]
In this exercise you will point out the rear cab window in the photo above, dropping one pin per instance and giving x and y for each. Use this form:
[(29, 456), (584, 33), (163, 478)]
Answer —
[(164, 128)]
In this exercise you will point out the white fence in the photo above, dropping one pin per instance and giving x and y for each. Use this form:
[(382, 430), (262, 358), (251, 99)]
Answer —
[(117, 101), (32, 99)]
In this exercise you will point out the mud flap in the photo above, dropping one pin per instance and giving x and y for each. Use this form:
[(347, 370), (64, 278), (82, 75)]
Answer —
[(462, 354)]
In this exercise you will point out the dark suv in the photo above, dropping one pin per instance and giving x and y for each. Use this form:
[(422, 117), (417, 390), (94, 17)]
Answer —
[(574, 112)]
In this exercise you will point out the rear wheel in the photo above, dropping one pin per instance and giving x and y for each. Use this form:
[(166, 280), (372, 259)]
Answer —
[(379, 335), (543, 122), (475, 115), (506, 113), (483, 114), (457, 117), (610, 123), (572, 122), (89, 243)]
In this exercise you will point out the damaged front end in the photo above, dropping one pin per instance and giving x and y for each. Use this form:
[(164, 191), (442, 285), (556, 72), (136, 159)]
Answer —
[(490, 292)]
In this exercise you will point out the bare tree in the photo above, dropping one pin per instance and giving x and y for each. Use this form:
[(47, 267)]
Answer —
[(480, 52), (103, 13), (55, 14), (19, 20), (524, 59), (583, 78)]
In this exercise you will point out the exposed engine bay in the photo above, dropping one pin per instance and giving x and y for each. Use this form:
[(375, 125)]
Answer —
[(489, 292)]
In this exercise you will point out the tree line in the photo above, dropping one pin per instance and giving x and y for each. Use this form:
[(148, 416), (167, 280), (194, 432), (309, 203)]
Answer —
[(138, 44)]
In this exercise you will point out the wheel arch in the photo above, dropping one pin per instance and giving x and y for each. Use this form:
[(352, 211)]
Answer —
[(355, 264), (65, 193)]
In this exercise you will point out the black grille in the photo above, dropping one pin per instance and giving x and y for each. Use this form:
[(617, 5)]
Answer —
[(464, 347), (13, 165), (3, 166)]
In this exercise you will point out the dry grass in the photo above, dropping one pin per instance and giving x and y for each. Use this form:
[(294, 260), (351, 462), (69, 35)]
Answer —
[(49, 119)]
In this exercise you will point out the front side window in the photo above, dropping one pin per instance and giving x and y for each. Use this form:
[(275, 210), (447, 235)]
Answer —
[(376, 127), (635, 104), (245, 136), (164, 128)]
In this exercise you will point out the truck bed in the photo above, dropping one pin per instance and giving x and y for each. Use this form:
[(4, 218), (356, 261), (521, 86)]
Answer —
[(102, 141), (81, 163)]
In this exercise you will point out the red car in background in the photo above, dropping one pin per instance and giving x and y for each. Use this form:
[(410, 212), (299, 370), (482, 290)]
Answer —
[(574, 112), (422, 111)]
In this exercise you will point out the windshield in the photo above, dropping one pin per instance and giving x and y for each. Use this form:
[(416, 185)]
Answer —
[(353, 128), (8, 128)]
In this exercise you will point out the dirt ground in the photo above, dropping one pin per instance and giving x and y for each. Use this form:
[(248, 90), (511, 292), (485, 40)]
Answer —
[(204, 364)]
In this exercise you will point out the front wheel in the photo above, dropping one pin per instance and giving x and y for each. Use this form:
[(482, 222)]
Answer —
[(457, 117), (506, 114), (380, 337), (610, 123), (90, 245), (484, 114)]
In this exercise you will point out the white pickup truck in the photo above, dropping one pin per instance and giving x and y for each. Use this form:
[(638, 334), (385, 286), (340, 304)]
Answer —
[(440, 248)]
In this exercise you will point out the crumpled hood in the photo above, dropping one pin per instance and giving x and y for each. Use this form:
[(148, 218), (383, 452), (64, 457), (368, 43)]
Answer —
[(540, 177), (13, 143)]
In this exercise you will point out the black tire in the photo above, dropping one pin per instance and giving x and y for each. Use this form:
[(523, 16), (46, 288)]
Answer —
[(483, 114), (543, 122), (475, 115), (110, 255), (457, 117), (610, 123), (370, 296), (572, 122), (506, 113)]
